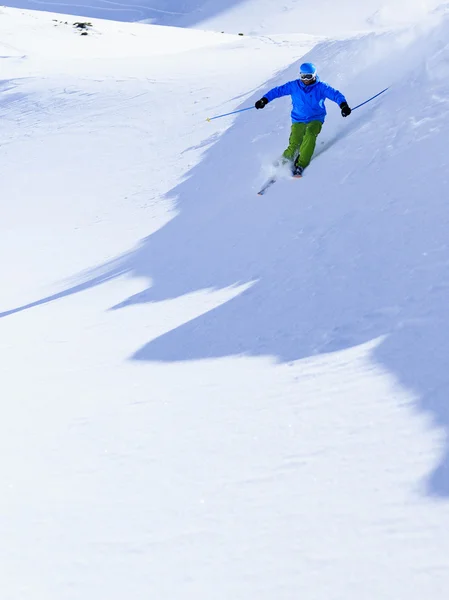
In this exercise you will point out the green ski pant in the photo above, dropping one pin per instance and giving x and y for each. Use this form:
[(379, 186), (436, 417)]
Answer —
[(302, 142)]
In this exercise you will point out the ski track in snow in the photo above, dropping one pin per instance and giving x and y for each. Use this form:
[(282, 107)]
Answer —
[(282, 426)]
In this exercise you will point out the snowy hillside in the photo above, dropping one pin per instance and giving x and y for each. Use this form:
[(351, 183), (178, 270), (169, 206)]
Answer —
[(207, 393), (248, 16)]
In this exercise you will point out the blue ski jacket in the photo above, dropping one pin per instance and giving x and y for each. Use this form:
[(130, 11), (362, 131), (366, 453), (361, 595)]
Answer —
[(307, 100)]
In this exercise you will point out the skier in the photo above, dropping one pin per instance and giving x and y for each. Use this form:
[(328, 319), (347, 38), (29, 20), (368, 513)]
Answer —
[(308, 113)]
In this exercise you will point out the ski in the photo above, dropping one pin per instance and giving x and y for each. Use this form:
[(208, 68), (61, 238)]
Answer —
[(266, 185)]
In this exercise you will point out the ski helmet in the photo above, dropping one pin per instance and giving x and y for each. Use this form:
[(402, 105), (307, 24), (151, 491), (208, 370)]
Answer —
[(307, 71)]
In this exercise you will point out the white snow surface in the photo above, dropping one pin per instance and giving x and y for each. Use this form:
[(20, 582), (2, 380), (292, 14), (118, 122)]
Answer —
[(248, 16), (206, 393)]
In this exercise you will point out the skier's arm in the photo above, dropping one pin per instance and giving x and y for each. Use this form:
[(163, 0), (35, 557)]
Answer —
[(336, 96), (333, 94), (278, 92)]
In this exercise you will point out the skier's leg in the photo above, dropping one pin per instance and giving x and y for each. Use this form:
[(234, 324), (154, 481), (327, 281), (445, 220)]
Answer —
[(307, 148), (296, 138)]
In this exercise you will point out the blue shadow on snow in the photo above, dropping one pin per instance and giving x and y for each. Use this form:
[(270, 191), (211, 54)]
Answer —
[(337, 261), (159, 12)]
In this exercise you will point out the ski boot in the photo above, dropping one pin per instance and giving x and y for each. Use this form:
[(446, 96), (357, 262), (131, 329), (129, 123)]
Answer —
[(297, 170)]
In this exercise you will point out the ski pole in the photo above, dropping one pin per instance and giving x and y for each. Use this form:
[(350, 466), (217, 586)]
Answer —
[(234, 112), (369, 100), (230, 113)]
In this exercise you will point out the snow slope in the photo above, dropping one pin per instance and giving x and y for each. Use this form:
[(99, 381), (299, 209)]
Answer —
[(206, 393), (320, 17), (105, 9)]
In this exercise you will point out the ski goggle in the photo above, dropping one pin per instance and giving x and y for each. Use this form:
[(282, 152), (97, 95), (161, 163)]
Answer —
[(307, 76)]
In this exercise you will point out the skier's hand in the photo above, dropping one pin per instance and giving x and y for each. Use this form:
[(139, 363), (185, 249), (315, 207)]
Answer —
[(345, 110), (261, 103)]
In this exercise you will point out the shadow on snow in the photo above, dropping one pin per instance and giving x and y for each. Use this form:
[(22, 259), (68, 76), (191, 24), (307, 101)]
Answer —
[(336, 260), (159, 12)]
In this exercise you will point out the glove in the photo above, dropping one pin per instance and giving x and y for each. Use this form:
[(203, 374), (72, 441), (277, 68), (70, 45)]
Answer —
[(261, 103), (345, 110)]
